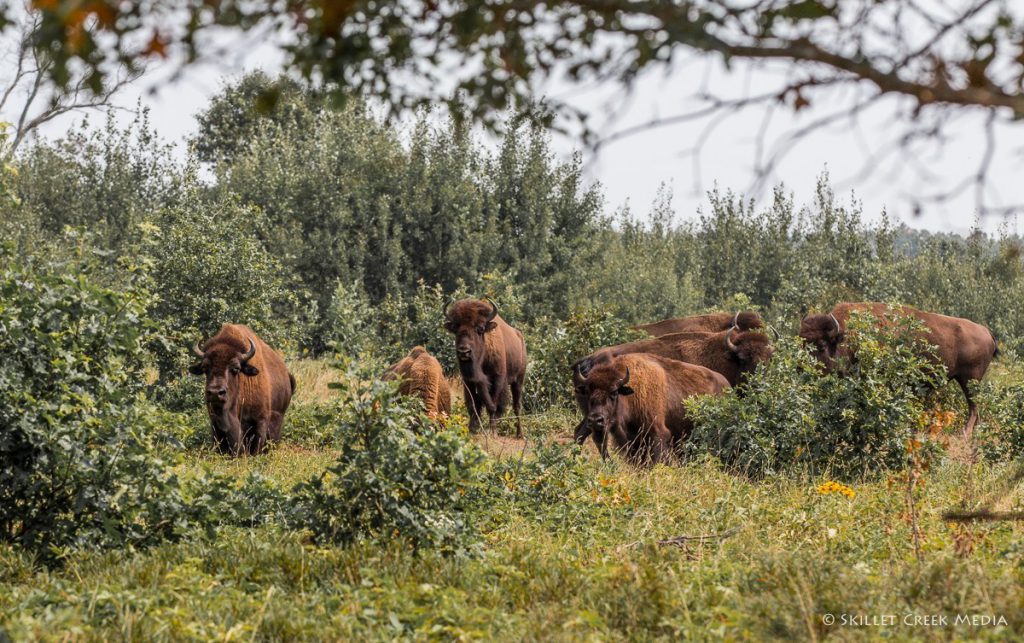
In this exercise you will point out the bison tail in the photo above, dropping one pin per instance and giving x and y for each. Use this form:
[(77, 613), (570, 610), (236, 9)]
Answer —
[(291, 378), (995, 344)]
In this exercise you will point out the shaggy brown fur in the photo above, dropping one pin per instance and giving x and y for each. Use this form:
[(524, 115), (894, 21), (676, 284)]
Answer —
[(637, 401), (492, 358), (964, 347), (710, 350), (711, 323), (421, 376), (246, 399)]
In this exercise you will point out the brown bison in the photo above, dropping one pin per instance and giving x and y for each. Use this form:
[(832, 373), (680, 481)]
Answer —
[(964, 347), (637, 401), (491, 356), (732, 353), (248, 389), (711, 323), (422, 377)]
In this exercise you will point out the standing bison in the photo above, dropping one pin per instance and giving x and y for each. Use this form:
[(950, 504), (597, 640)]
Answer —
[(637, 401), (964, 347), (248, 389), (421, 376), (711, 323), (491, 356), (732, 353)]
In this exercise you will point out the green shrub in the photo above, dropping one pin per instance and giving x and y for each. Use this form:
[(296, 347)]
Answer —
[(396, 476), (1001, 408), (552, 346), (78, 468), (794, 417)]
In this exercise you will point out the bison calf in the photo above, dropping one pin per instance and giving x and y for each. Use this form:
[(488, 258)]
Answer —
[(248, 389), (492, 358), (421, 376), (637, 401), (964, 348)]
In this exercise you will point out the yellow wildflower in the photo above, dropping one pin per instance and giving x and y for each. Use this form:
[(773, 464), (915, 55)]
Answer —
[(829, 486)]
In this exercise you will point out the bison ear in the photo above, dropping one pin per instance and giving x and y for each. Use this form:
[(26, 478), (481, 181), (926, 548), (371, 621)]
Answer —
[(196, 369), (625, 390), (250, 370), (450, 326), (490, 326)]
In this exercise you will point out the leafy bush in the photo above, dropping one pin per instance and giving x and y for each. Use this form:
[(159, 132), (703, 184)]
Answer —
[(552, 346), (1001, 408), (211, 268), (77, 465), (792, 416), (395, 476)]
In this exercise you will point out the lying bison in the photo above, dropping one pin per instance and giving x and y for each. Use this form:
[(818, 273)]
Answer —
[(964, 347), (732, 353), (421, 376), (636, 400), (711, 323), (248, 389), (491, 356)]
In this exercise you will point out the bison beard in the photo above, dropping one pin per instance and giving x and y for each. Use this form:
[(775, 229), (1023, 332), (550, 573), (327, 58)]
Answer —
[(492, 358), (248, 389)]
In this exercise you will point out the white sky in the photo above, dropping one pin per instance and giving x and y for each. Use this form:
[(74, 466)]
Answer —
[(633, 168)]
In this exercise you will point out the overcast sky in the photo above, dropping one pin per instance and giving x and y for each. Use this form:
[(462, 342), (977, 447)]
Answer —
[(632, 169)]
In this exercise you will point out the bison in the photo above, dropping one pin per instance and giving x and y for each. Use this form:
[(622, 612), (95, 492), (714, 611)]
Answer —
[(248, 389), (637, 400), (491, 356), (711, 323), (422, 377), (732, 353), (964, 348)]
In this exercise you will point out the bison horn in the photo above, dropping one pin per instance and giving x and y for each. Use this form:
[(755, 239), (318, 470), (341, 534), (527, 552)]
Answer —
[(728, 340), (198, 351), (736, 319), (444, 309), (494, 310), (624, 380), (252, 351), (835, 321)]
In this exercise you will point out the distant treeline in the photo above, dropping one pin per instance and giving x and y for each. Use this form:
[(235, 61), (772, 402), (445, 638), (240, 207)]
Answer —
[(323, 227)]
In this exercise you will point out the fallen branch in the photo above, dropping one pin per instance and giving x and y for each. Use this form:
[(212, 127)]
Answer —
[(680, 541), (983, 514)]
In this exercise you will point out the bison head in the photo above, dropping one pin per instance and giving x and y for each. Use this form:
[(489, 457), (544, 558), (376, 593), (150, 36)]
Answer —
[(823, 334), (470, 320), (747, 349), (223, 363), (602, 389)]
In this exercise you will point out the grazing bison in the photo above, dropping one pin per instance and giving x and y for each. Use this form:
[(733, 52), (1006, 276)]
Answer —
[(491, 356), (248, 389), (712, 323), (964, 347), (422, 377), (637, 401), (732, 353)]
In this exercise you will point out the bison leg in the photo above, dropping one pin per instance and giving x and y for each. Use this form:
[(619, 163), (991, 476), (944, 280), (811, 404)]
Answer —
[(581, 432), (473, 406), (274, 426), (972, 409), (517, 405), (227, 433)]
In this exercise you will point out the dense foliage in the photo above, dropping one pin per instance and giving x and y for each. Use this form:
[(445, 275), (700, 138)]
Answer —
[(77, 465), (395, 477), (864, 417)]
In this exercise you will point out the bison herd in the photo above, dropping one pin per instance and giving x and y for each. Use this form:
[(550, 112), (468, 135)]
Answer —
[(630, 394)]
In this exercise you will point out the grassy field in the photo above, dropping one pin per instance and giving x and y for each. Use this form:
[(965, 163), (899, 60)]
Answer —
[(784, 559)]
